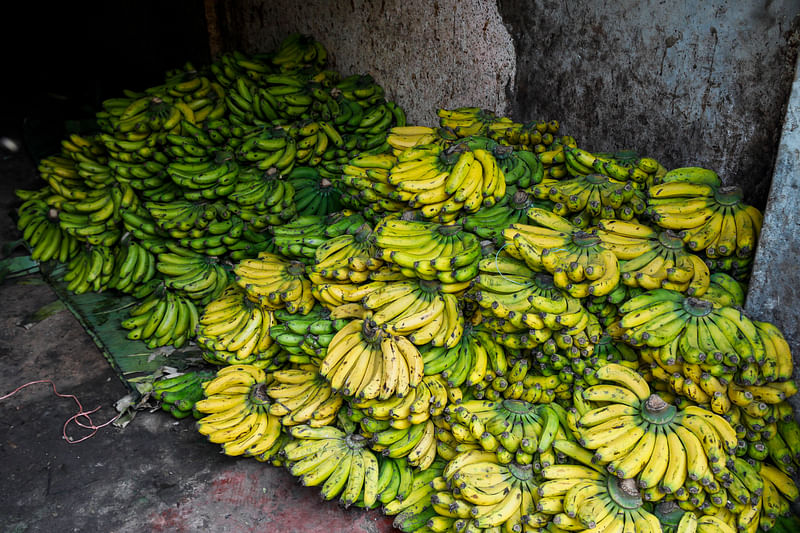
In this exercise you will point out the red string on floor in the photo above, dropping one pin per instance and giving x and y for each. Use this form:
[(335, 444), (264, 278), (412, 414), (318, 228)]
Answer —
[(81, 418)]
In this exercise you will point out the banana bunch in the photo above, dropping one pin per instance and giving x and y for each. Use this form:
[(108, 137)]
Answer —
[(512, 337), (376, 114), (485, 494), (316, 140), (514, 430), (365, 184), (211, 178), (608, 351), (523, 137), (178, 393), (658, 317), (520, 168), (90, 269), (222, 235), (177, 218), (263, 199), (367, 362), (348, 257), (132, 124), (725, 290), (592, 196), (698, 331), (203, 96), (191, 144), (167, 192), (578, 260), (470, 121), (200, 277), (206, 138), (236, 409), (429, 251), (247, 103), (710, 218), (650, 259), (579, 162), (778, 439), (524, 380), (134, 265), (298, 51), (149, 176), (275, 283), (340, 463), (581, 498), (231, 65), (428, 399), (401, 138), (206, 98), (413, 511), (38, 222), (91, 161), (138, 222), (284, 97), (625, 435), (60, 172), (305, 337), (442, 182), (162, 318), (466, 121), (129, 148), (606, 308), (490, 222), (251, 244), (269, 148), (301, 237), (301, 396), (506, 289), (315, 194), (737, 267), (424, 311), (469, 361), (236, 330), (96, 218), (414, 441)]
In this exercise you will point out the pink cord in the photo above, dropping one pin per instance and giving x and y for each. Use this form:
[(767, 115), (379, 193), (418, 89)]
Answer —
[(74, 418)]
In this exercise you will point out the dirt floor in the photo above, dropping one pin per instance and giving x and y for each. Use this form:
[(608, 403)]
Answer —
[(155, 475)]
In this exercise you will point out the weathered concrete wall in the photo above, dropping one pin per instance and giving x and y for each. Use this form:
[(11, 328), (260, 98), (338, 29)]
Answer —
[(690, 83), (426, 54), (774, 291)]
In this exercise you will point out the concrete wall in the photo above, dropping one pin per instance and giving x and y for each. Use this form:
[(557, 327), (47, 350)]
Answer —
[(774, 291), (690, 83)]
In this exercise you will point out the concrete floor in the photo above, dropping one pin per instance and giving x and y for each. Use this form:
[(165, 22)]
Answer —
[(155, 475)]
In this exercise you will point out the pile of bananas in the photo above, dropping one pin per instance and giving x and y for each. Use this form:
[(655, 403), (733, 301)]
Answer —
[(475, 326)]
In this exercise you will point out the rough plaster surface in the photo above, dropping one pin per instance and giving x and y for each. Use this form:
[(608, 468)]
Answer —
[(690, 83), (426, 54)]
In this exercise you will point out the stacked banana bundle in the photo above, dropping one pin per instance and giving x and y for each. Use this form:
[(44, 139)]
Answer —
[(534, 137), (179, 392), (478, 326)]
